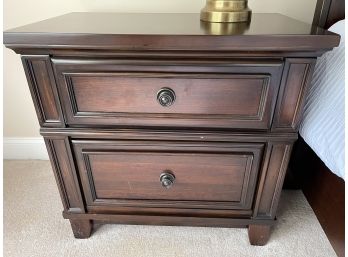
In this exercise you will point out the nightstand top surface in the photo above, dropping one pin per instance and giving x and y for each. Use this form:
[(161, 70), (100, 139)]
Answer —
[(157, 31)]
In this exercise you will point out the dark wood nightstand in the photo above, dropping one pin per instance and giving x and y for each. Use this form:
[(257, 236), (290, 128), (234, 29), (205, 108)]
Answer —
[(163, 119)]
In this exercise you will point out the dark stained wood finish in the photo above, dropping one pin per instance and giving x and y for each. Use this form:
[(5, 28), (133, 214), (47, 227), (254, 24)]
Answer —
[(169, 135), (110, 31), (324, 191), (208, 176), (166, 54), (259, 234), (167, 220), (171, 210), (120, 176), (326, 195), (81, 228), (43, 90), (138, 95), (116, 92), (227, 137), (328, 12), (64, 170), (295, 81), (153, 24), (272, 178)]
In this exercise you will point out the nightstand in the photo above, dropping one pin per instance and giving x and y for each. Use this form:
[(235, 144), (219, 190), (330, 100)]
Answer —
[(164, 119)]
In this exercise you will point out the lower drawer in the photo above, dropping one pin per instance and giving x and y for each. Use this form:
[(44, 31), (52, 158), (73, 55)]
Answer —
[(138, 174)]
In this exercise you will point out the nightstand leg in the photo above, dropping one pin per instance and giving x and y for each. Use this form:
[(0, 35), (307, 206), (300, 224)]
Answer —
[(259, 234), (81, 228)]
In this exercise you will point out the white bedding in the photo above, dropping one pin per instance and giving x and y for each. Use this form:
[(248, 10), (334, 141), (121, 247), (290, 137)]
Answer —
[(323, 122)]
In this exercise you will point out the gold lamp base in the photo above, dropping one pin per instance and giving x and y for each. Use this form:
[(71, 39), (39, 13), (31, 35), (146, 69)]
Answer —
[(226, 11)]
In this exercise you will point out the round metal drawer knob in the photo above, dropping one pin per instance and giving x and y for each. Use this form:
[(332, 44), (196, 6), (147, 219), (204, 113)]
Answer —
[(166, 96), (167, 179)]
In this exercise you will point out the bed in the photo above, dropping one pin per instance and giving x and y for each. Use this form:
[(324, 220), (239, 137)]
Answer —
[(322, 126), (317, 163)]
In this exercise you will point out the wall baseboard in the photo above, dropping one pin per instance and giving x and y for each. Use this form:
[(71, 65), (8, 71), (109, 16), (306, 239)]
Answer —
[(25, 148)]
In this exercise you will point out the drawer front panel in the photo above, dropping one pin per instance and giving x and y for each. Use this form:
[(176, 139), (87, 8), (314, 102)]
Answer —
[(205, 175), (235, 96), (241, 96)]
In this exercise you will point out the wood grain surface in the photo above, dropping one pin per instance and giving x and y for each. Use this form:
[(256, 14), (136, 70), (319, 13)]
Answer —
[(214, 93), (167, 32), (206, 174)]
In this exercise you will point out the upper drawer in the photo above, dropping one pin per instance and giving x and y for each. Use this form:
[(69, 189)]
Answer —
[(239, 95)]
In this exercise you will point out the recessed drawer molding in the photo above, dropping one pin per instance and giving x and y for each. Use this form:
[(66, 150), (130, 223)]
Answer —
[(217, 96), (202, 175)]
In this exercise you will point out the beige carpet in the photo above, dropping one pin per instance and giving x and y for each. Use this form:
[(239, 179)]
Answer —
[(33, 226)]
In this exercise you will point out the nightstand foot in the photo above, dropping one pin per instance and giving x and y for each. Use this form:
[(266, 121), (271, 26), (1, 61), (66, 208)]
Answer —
[(81, 228), (259, 234)]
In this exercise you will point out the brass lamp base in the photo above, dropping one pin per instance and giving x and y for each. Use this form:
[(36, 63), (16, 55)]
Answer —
[(226, 11)]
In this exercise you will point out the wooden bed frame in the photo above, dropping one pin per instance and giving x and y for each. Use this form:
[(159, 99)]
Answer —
[(328, 12), (322, 188)]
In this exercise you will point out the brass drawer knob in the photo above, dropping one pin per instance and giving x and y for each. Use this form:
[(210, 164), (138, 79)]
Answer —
[(167, 179), (166, 96)]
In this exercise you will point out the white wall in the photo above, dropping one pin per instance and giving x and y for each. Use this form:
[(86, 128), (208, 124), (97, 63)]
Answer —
[(19, 115)]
